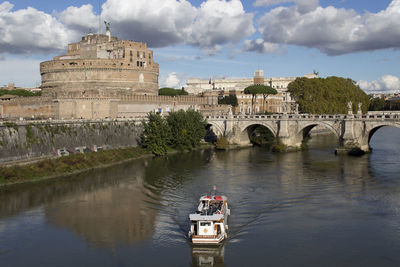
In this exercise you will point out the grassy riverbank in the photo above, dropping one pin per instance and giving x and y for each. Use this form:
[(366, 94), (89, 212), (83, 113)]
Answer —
[(67, 164)]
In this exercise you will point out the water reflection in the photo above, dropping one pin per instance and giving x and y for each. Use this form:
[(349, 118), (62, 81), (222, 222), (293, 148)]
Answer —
[(23, 197), (208, 256), (108, 216)]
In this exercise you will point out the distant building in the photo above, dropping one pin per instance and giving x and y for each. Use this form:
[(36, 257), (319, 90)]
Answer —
[(101, 66), (279, 103)]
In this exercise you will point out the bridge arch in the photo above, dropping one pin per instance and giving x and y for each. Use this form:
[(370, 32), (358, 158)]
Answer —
[(371, 130), (247, 129), (307, 127), (217, 129), (304, 128)]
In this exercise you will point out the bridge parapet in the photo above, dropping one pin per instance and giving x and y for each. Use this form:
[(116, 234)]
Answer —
[(353, 130)]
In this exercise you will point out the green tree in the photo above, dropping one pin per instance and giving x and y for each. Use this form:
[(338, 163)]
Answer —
[(171, 91), (327, 95), (265, 91), (188, 128), (229, 100), (377, 104), (256, 89), (156, 134)]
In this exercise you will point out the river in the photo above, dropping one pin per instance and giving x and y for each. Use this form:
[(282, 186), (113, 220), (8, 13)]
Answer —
[(309, 208)]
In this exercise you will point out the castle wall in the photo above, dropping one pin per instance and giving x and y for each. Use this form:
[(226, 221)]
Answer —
[(97, 77), (139, 106), (30, 107), (130, 106), (87, 108)]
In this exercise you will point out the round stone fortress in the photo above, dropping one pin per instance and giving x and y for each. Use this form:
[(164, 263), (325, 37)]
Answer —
[(101, 66)]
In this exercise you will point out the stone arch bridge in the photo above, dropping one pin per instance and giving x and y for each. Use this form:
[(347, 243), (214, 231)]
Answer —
[(353, 131)]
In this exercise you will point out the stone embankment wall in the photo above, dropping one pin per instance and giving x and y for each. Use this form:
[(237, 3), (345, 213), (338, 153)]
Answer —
[(27, 140)]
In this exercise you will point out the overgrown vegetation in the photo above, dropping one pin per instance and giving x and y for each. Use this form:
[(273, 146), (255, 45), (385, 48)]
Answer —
[(19, 92), (67, 164), (228, 100), (279, 147), (327, 95), (221, 143), (171, 91), (180, 130), (380, 104)]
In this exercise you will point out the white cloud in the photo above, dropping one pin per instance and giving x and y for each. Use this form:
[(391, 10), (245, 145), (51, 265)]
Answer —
[(219, 22), (81, 18), (174, 80), (159, 23), (167, 22), (386, 84), (304, 5), (27, 31), (331, 30), (259, 46)]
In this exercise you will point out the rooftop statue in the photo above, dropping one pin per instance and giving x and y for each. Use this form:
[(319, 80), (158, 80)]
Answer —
[(107, 25)]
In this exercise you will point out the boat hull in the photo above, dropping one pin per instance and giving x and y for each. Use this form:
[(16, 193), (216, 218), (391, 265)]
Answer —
[(208, 240)]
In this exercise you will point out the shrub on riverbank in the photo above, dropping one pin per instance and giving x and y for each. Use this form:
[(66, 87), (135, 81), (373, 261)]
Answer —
[(222, 143), (180, 130), (67, 164), (156, 134), (279, 147)]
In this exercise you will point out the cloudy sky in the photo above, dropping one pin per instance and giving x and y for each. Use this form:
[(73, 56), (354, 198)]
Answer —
[(356, 39)]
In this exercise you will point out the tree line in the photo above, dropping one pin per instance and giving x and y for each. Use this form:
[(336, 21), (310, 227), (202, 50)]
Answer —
[(380, 104), (19, 92), (329, 95), (171, 91)]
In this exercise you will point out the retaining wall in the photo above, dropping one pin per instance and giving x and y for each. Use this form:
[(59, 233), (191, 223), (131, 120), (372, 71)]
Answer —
[(32, 139)]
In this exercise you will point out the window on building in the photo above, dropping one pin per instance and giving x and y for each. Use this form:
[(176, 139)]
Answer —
[(144, 55), (138, 54), (130, 53), (137, 63)]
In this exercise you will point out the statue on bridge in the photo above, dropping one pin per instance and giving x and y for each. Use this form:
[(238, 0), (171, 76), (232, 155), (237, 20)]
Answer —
[(350, 108), (359, 111)]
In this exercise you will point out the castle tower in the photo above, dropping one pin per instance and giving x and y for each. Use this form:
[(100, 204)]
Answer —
[(101, 66), (259, 77)]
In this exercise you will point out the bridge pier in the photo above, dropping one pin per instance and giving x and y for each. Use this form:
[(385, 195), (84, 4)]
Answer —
[(355, 138), (286, 137)]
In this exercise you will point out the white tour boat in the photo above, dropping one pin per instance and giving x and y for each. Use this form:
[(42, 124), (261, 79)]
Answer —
[(210, 222)]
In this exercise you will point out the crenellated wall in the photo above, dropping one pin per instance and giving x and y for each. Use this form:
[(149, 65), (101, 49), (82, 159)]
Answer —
[(129, 106)]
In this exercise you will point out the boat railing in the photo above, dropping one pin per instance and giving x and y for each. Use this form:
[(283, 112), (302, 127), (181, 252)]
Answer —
[(205, 236)]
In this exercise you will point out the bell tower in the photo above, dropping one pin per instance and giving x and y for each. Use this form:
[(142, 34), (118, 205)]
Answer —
[(259, 77)]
